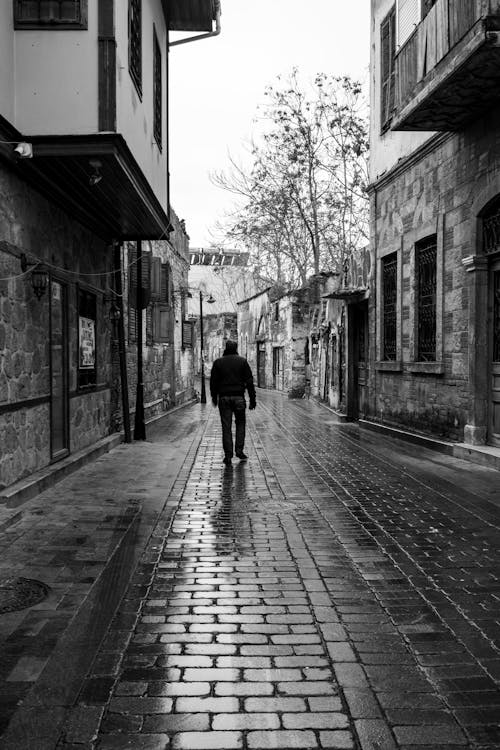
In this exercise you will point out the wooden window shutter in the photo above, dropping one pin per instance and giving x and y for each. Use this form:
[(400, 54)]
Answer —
[(156, 272), (146, 277), (149, 326), (132, 293), (187, 334), (162, 324), (165, 283), (132, 276), (387, 68), (132, 324)]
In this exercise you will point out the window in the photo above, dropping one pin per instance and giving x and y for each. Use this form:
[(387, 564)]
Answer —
[(387, 68), (426, 6), (163, 311), (389, 310), (276, 311), (157, 92), (491, 229), (87, 317), (425, 263), (135, 43), (50, 14)]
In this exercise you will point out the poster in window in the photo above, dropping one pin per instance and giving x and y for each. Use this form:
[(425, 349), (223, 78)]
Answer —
[(86, 343)]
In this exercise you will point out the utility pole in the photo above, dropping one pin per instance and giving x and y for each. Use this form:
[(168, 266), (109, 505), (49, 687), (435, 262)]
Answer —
[(203, 397), (121, 341), (139, 426)]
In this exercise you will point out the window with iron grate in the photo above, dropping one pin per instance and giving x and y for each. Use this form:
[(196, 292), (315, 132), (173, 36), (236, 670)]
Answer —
[(135, 43), (157, 92), (426, 267), (387, 68), (50, 14), (491, 229), (389, 310), (496, 316)]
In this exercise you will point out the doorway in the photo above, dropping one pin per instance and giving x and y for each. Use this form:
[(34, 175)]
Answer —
[(261, 364), (59, 405), (494, 348), (361, 356), (278, 369)]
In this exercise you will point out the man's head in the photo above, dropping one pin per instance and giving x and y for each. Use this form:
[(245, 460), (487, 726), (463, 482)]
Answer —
[(231, 347)]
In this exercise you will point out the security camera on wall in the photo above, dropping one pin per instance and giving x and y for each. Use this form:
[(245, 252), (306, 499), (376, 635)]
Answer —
[(24, 150)]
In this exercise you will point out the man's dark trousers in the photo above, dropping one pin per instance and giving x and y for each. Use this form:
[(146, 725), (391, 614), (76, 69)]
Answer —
[(229, 405)]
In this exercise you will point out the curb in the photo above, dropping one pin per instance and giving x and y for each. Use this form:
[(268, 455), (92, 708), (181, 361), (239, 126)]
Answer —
[(26, 489), (483, 455)]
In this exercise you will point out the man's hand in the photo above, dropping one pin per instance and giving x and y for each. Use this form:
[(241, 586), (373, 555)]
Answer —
[(252, 404), (214, 401)]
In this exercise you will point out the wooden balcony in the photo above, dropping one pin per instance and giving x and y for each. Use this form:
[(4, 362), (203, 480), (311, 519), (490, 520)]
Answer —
[(448, 72)]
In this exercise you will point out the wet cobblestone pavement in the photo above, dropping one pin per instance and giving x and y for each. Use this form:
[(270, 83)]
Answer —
[(332, 592)]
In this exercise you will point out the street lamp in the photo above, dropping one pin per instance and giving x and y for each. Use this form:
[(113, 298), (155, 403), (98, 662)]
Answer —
[(210, 300)]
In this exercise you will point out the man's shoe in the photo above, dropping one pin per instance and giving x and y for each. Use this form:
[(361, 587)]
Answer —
[(242, 456), (227, 461)]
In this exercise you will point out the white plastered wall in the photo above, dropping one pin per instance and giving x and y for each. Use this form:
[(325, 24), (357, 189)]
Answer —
[(56, 79), (135, 116)]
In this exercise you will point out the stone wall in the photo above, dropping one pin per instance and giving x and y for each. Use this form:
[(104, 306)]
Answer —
[(32, 225), (440, 189)]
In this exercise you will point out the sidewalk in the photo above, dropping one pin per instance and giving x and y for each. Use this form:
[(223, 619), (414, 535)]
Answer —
[(83, 538), (338, 590)]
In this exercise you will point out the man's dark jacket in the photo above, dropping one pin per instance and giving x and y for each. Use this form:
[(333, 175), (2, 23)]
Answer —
[(230, 376)]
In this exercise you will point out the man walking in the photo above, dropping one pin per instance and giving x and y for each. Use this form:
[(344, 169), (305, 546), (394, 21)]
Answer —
[(230, 377)]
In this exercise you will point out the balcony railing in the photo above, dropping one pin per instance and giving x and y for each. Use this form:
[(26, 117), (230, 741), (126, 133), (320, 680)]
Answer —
[(454, 40)]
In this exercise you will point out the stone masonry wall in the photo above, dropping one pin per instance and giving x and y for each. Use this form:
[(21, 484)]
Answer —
[(32, 225), (433, 193)]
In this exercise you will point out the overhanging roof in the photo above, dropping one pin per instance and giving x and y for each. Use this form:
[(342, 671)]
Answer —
[(189, 15), (348, 294), (122, 205)]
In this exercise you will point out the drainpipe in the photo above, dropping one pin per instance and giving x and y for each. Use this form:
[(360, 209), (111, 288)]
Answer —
[(216, 32)]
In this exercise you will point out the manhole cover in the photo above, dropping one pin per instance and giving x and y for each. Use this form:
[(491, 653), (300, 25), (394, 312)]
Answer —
[(19, 593)]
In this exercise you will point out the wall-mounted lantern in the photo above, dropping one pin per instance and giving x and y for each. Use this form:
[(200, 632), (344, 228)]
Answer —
[(39, 276)]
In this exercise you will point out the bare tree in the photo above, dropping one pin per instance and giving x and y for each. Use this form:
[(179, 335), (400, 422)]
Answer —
[(302, 202)]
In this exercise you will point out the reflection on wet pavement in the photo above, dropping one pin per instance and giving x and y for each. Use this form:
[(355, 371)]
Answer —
[(325, 594), (303, 599)]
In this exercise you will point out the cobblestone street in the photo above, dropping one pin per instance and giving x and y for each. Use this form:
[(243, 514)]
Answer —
[(338, 590)]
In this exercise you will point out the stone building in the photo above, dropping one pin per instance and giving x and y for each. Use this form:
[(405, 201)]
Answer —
[(273, 333), (83, 168), (435, 213), (221, 277), (339, 336)]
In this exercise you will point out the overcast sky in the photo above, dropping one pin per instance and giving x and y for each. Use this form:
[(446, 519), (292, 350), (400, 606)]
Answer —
[(217, 84)]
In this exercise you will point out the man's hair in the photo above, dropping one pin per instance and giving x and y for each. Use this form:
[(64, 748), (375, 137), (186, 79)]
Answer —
[(231, 347)]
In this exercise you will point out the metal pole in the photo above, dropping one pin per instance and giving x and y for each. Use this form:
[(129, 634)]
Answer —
[(203, 398), (121, 342), (139, 426)]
